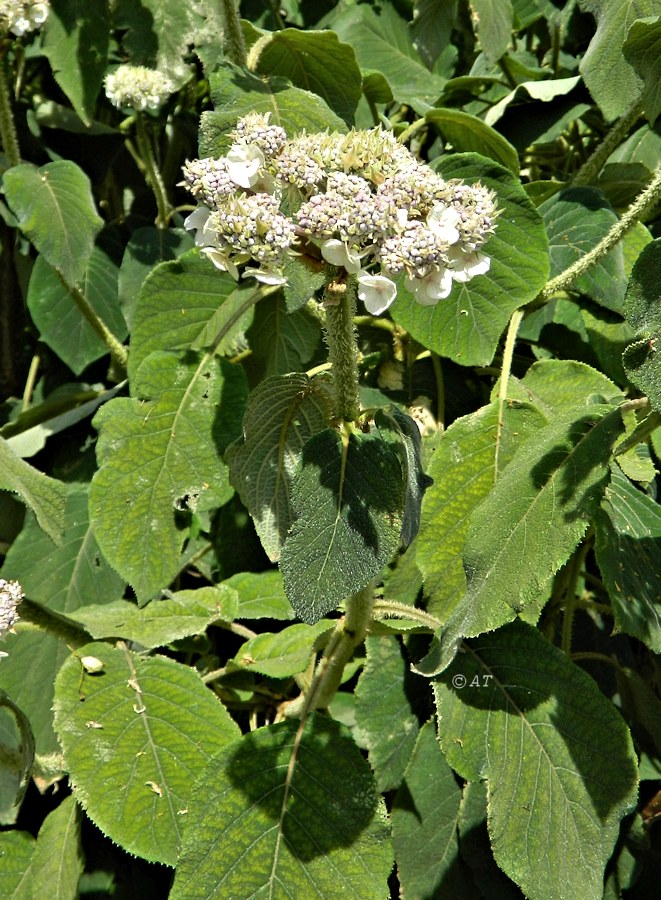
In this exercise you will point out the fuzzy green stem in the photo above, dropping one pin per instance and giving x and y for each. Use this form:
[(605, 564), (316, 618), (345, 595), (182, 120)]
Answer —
[(643, 203), (340, 304), (594, 163), (506, 371), (54, 623), (574, 571), (7, 125), (117, 350), (152, 173), (235, 46), (413, 128), (385, 609)]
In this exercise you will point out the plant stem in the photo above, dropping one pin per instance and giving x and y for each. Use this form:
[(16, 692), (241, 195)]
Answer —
[(7, 125), (117, 350), (234, 45), (384, 609), (340, 305), (594, 163), (574, 571), (643, 203), (152, 173), (505, 373)]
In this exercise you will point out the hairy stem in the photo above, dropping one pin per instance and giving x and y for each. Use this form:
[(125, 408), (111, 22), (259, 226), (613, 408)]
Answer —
[(340, 304), (234, 45), (7, 125), (505, 373), (593, 165), (153, 174)]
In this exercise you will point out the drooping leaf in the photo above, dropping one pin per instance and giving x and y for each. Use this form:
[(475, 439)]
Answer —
[(493, 22), (45, 496), (425, 814), (467, 133), (388, 725), (557, 757), (161, 453), (283, 341), (432, 27), (235, 93), (17, 756), (628, 552), (55, 210), (134, 747), (261, 595), (159, 33), (294, 814), (642, 359), (76, 46), (61, 324), (57, 862), (642, 49), (16, 849), (348, 498), (283, 413), (283, 653), (315, 61), (467, 325)]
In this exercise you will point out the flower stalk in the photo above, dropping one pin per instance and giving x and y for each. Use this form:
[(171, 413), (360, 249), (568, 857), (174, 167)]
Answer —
[(152, 173), (7, 125), (340, 331)]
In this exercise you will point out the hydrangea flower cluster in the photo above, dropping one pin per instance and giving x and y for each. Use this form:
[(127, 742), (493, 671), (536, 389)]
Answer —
[(21, 16), (361, 197), (138, 87), (11, 595)]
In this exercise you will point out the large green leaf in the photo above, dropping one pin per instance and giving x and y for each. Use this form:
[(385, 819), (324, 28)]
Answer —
[(283, 413), (283, 342), (576, 220), (642, 49), (135, 746), (387, 724), (57, 862), (188, 303), (61, 324), (467, 133), (425, 814), (76, 46), (161, 453), (315, 61), (557, 757), (493, 21), (432, 26), (235, 93), (530, 523), (464, 468), (609, 76), (55, 209), (628, 552), (642, 359), (554, 385), (159, 33), (467, 325), (16, 849), (45, 496), (475, 846), (261, 595), (273, 815), (17, 755), (284, 653), (348, 498)]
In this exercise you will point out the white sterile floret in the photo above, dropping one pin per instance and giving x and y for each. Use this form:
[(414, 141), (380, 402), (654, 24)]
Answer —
[(431, 288), (377, 293), (138, 87), (338, 253), (11, 594), (243, 164), (22, 16)]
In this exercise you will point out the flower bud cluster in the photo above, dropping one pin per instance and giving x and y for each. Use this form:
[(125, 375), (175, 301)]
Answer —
[(361, 197), (21, 16), (138, 87), (11, 595)]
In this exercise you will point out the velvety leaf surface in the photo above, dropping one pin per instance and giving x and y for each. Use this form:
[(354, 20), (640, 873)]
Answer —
[(58, 861), (17, 755), (134, 747), (628, 552), (283, 341), (159, 32), (348, 500), (159, 453), (475, 847), (283, 413), (45, 496), (16, 849), (61, 324), (493, 21), (317, 62), (283, 653), (467, 134), (642, 360), (467, 326), (556, 755), (261, 595), (296, 814), (642, 49), (554, 385), (425, 814), (55, 210), (387, 723), (432, 26)]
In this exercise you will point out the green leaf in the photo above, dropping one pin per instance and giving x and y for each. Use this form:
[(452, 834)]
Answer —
[(464, 468), (609, 77), (284, 653), (45, 496), (388, 725), (642, 49), (71, 575), (135, 746), (235, 93), (57, 862), (557, 757), (467, 326), (147, 248), (348, 500), (184, 614), (557, 385), (424, 815), (576, 220), (283, 341), (16, 849), (642, 360), (294, 814), (161, 453), (16, 758), (468, 133), (493, 21), (61, 324), (302, 283), (55, 210), (283, 413), (75, 43), (315, 61), (542, 91), (432, 26), (531, 522), (188, 303), (261, 595), (628, 552), (383, 43), (159, 33)]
